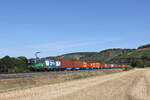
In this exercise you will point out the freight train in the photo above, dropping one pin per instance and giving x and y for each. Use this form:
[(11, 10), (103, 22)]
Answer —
[(51, 65)]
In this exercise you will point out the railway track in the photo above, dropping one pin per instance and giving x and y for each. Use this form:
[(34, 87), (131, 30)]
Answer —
[(32, 74)]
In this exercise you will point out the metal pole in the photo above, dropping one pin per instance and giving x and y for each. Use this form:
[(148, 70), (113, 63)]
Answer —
[(36, 55)]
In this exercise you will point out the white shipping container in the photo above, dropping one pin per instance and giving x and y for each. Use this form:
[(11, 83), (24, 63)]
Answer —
[(112, 65), (58, 63), (47, 63), (52, 63)]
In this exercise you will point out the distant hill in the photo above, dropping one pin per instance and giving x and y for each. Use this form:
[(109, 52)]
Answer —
[(116, 55), (102, 56), (143, 55), (106, 55), (77, 55), (144, 46)]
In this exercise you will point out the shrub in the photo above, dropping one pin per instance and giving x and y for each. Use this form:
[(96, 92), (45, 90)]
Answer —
[(11, 64)]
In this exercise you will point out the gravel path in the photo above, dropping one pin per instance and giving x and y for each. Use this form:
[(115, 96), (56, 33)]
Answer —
[(131, 85)]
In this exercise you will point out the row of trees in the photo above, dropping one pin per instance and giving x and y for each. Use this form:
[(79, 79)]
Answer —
[(140, 63), (11, 64)]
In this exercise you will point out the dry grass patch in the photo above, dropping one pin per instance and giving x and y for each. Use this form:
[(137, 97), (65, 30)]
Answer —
[(21, 83)]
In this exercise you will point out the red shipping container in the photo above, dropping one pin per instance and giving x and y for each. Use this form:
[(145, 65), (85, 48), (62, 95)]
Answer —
[(98, 64), (116, 65), (124, 65), (109, 65), (67, 63), (78, 63), (103, 65)]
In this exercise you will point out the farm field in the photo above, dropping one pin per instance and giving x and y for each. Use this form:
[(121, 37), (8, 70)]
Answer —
[(130, 85), (14, 81)]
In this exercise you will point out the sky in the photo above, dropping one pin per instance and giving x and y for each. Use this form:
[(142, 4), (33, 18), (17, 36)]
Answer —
[(55, 27)]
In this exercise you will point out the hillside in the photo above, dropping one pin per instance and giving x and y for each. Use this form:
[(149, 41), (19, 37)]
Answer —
[(136, 56), (106, 55), (141, 56), (77, 55), (147, 46), (116, 55), (102, 56)]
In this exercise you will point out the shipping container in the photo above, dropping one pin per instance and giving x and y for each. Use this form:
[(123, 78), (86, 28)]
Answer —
[(94, 65), (123, 66), (47, 62), (58, 63), (106, 65), (98, 65), (52, 64), (103, 66), (116, 65), (84, 64), (109, 65), (77, 64), (67, 63), (90, 64), (119, 66), (112, 65)]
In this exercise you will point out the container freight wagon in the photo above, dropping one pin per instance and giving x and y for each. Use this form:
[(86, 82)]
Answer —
[(50, 65), (78, 65), (96, 65), (71, 65), (67, 64)]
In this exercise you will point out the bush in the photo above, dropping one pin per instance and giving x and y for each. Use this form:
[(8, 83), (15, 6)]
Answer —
[(10, 64), (137, 63)]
